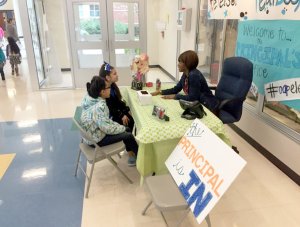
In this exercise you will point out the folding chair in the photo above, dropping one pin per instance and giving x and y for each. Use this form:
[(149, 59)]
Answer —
[(96, 154), (167, 197)]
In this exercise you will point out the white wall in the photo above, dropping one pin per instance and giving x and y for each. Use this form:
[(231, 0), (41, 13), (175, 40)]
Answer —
[(281, 146), (163, 51), (28, 45), (17, 17), (188, 38), (167, 46), (57, 25), (153, 9)]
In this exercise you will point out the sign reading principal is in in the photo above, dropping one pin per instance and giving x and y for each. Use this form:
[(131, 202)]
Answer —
[(203, 167)]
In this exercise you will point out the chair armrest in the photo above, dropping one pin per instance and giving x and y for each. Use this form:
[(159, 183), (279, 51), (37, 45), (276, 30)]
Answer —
[(226, 101)]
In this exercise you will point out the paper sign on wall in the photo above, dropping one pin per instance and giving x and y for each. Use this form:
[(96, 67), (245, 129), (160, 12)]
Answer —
[(274, 49), (283, 90), (203, 167), (254, 9)]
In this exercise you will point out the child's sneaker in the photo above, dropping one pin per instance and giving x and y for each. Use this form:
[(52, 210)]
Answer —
[(131, 161)]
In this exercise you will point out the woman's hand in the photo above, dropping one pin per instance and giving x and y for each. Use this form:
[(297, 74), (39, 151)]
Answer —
[(125, 120), (155, 93), (168, 96)]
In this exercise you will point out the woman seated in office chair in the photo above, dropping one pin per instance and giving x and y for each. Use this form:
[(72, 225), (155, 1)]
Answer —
[(192, 83), (95, 119), (117, 107)]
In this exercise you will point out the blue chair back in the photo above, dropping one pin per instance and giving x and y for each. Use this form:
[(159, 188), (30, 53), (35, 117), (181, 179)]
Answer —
[(234, 85)]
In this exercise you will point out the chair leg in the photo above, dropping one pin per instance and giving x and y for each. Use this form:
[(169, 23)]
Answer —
[(113, 161), (117, 167), (77, 163), (207, 219), (164, 218), (146, 208), (89, 180), (134, 130), (183, 217), (235, 149)]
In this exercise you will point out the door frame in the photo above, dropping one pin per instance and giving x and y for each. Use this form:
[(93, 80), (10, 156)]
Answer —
[(74, 45), (125, 75), (107, 43)]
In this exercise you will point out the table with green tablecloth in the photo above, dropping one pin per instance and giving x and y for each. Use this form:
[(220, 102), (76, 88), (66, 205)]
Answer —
[(158, 138)]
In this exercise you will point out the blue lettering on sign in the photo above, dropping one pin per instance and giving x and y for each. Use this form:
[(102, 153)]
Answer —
[(195, 130), (285, 58), (292, 88), (198, 195), (266, 4), (284, 89)]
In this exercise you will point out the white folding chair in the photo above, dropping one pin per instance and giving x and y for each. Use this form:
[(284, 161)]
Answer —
[(167, 197), (97, 153)]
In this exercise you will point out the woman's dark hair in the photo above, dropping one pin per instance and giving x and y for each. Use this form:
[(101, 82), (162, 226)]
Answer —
[(13, 45), (94, 87), (105, 71), (190, 59)]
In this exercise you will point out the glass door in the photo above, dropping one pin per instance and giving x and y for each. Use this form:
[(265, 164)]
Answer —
[(36, 42), (104, 31), (88, 38), (126, 35)]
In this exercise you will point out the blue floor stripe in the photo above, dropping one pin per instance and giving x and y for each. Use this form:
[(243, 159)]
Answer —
[(39, 187)]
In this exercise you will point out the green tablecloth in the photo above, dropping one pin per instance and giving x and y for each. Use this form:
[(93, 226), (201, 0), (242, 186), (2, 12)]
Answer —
[(158, 138)]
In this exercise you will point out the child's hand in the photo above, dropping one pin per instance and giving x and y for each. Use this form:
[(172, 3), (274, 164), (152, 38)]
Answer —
[(125, 120)]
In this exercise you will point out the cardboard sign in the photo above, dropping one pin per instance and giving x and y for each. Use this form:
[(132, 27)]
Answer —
[(203, 167)]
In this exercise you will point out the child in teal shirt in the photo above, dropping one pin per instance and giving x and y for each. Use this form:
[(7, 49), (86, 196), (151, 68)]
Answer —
[(2, 63)]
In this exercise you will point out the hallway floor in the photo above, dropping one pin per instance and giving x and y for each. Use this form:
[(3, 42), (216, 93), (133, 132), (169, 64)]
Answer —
[(38, 187)]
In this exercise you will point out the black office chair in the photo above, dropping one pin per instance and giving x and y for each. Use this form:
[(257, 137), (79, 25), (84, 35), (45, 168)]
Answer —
[(233, 88)]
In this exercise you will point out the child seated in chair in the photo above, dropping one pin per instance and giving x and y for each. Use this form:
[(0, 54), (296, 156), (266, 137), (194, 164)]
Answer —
[(118, 109), (95, 119)]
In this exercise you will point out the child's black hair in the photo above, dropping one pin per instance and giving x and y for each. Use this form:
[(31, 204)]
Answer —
[(94, 87)]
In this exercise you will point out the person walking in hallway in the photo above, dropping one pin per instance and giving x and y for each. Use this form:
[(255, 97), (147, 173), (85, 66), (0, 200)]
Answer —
[(14, 55), (11, 30)]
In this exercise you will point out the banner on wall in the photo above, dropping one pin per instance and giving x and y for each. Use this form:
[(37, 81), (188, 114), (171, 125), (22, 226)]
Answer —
[(274, 49), (231, 9), (203, 167), (254, 9)]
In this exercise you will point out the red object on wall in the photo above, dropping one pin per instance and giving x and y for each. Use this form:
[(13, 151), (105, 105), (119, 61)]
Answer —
[(214, 71)]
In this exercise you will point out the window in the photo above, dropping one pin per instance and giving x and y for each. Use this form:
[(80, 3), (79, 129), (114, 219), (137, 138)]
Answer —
[(284, 114), (229, 51), (209, 44), (94, 11)]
